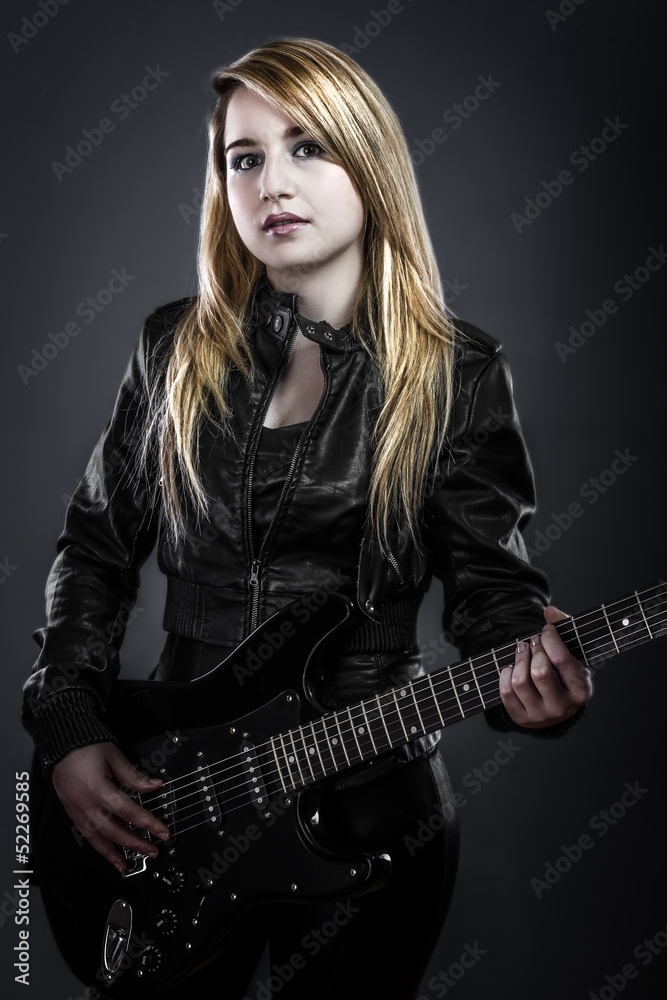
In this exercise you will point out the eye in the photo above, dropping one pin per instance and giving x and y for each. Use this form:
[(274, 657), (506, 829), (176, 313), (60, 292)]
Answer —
[(309, 150), (245, 161)]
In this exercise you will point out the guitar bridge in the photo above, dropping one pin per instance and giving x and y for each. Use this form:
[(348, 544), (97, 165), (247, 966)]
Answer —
[(135, 861)]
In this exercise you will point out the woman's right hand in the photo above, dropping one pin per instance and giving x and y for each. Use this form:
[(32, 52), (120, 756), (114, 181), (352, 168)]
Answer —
[(86, 780)]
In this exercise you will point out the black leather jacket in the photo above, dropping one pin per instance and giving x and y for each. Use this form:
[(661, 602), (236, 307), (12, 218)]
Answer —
[(220, 582)]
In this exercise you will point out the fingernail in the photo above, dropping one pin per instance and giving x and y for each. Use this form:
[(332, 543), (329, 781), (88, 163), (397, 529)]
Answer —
[(118, 865), (535, 641), (521, 647), (163, 835)]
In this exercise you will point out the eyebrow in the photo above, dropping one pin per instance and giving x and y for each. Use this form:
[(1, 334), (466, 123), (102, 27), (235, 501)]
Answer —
[(291, 133)]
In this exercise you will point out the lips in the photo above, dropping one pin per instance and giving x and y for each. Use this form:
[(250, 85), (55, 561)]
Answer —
[(284, 223)]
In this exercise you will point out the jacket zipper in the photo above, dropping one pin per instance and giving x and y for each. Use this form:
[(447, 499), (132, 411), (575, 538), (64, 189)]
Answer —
[(255, 561), (394, 565)]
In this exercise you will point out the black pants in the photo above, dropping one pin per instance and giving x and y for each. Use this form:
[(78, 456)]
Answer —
[(372, 946)]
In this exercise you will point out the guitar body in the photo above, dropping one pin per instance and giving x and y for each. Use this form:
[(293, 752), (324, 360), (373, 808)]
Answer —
[(238, 839)]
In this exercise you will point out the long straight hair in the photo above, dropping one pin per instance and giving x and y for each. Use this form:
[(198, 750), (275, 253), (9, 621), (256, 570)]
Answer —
[(399, 306)]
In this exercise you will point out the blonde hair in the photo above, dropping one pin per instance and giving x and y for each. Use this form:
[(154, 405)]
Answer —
[(399, 306)]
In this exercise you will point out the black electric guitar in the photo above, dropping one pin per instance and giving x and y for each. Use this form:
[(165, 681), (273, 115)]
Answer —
[(232, 792)]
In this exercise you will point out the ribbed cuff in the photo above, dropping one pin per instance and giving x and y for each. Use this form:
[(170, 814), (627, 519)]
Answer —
[(64, 721)]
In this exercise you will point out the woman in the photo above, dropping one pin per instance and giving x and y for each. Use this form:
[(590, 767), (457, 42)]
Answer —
[(308, 421)]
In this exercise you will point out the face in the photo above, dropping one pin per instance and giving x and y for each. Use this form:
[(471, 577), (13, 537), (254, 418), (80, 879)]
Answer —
[(295, 209)]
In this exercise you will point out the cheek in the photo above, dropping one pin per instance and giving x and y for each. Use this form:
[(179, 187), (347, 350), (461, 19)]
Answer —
[(345, 199), (238, 206)]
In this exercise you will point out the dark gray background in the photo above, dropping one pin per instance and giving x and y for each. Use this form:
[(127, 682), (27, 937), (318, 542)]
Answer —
[(120, 209)]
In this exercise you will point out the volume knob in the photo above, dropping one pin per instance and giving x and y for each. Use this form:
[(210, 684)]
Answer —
[(168, 922)]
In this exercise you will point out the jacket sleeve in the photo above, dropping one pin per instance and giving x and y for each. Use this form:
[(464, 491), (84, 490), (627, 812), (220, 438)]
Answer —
[(110, 528), (482, 499)]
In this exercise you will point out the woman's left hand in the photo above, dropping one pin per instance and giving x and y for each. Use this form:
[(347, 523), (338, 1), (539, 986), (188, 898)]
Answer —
[(547, 684)]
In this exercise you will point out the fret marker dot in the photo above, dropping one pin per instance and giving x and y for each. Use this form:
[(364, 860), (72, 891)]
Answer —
[(361, 729), (413, 729), (291, 760), (311, 750), (403, 693), (335, 740), (626, 621), (466, 687)]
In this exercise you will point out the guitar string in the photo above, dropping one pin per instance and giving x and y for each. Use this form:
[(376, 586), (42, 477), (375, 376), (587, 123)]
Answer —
[(465, 666), (301, 736), (357, 708)]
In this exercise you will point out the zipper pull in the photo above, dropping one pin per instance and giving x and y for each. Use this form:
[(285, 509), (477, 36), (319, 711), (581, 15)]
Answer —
[(254, 573)]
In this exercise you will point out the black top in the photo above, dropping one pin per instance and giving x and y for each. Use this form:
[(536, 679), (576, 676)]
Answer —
[(274, 455)]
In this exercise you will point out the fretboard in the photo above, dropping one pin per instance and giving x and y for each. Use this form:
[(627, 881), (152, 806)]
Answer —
[(358, 733)]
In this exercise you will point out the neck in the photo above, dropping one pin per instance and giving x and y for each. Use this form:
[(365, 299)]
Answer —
[(324, 294)]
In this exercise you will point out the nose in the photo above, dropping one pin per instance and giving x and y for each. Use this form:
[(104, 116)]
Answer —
[(277, 179)]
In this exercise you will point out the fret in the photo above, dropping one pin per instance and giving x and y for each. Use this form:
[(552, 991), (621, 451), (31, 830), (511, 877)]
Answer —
[(429, 711), (399, 714), (305, 755), (376, 727), (313, 751), (368, 726), (336, 740), (476, 684), (290, 759), (409, 712), (466, 690), (656, 611), (381, 715), (280, 775), (591, 629), (361, 733), (297, 756), (580, 654), (495, 660), (435, 701), (627, 623), (327, 758), (611, 631), (391, 718), (351, 742), (456, 694), (643, 615), (486, 676)]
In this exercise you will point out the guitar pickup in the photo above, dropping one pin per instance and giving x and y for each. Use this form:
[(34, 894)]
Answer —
[(253, 776), (162, 806), (207, 795)]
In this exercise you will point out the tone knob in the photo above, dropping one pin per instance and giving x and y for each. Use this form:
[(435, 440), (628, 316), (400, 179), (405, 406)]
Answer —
[(151, 959), (168, 922), (174, 879)]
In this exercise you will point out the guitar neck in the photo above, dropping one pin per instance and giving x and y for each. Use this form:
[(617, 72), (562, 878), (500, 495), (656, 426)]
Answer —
[(360, 732)]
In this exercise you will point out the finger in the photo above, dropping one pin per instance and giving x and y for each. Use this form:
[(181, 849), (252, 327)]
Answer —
[(513, 681), (574, 676), (98, 820), (124, 807), (553, 614), (128, 775), (107, 850)]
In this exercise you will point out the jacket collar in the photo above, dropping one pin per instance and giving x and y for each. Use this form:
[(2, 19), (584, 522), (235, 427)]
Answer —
[(274, 312)]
